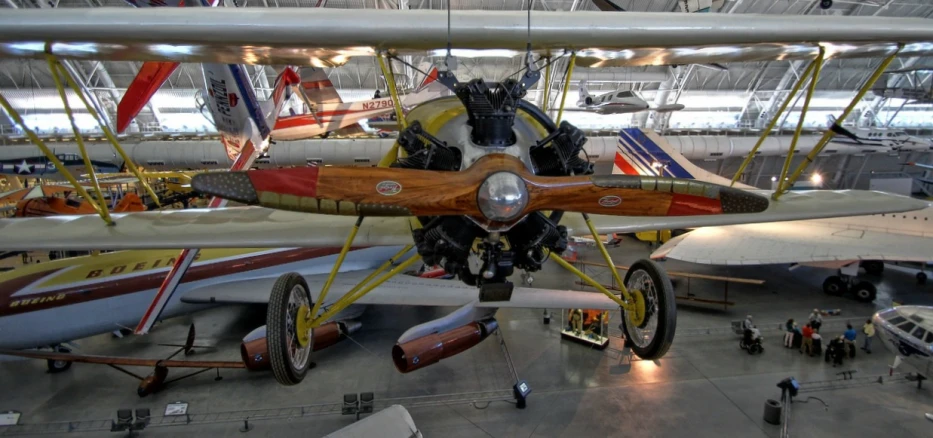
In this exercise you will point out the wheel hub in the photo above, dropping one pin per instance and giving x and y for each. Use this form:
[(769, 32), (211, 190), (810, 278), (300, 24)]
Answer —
[(303, 325), (636, 315)]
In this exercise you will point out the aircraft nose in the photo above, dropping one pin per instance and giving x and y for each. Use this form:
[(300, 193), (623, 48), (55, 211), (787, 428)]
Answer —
[(234, 186)]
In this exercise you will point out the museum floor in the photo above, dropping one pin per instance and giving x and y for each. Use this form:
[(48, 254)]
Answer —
[(704, 387)]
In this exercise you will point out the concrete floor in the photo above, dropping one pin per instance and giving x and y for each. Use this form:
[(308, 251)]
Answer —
[(705, 385)]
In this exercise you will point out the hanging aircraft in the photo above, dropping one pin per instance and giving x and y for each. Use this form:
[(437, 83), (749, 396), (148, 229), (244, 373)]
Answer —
[(907, 331), (844, 243), (619, 102), (39, 166), (489, 180), (892, 139)]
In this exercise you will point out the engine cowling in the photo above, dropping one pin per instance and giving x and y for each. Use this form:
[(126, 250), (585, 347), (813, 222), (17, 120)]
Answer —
[(254, 351), (432, 348)]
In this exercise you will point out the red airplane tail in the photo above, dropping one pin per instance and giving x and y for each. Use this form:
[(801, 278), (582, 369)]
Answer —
[(150, 78)]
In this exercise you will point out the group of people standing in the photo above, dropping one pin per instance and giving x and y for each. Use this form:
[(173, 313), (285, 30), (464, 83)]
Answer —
[(810, 341)]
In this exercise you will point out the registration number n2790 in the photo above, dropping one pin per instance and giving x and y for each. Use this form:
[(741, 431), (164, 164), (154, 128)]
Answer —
[(377, 104)]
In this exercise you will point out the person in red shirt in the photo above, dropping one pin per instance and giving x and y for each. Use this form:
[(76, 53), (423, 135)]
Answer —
[(807, 343)]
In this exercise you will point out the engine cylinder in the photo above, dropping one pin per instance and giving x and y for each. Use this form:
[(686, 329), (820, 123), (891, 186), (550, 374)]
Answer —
[(430, 349)]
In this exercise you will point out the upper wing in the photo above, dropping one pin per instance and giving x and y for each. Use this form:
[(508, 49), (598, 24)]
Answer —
[(792, 242), (235, 35), (117, 360), (256, 227), (401, 290)]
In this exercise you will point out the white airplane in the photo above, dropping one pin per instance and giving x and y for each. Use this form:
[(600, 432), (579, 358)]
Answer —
[(873, 137), (844, 243), (619, 102), (907, 331), (481, 166)]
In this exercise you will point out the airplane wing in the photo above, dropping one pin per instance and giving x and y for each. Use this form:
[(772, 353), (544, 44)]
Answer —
[(280, 37), (400, 290), (792, 242), (118, 360), (257, 227)]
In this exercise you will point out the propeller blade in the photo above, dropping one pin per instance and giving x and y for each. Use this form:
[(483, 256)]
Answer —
[(626, 195), (346, 190), (497, 187)]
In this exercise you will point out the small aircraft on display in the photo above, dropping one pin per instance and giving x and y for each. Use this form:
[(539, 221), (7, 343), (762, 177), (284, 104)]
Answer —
[(907, 331), (487, 182), (619, 102), (61, 360)]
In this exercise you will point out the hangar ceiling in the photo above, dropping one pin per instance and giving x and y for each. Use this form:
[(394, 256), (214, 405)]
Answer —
[(738, 98)]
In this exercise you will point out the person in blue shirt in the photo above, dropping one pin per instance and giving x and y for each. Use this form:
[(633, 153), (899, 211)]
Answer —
[(850, 335)]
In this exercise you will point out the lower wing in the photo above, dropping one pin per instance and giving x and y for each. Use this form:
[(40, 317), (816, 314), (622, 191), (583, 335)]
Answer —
[(401, 290), (792, 242)]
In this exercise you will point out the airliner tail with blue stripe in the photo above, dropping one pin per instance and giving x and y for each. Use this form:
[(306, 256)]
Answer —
[(646, 153)]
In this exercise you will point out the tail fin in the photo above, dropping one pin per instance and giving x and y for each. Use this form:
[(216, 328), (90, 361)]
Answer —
[(584, 93), (646, 153), (839, 130), (429, 78), (428, 87), (130, 202), (317, 87), (281, 92), (150, 78)]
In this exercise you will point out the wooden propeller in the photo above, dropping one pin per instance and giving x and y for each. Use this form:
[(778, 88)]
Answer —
[(405, 192)]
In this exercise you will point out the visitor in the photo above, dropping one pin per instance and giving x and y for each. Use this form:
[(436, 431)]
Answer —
[(807, 344), (816, 319), (837, 350), (789, 330), (869, 330), (816, 343), (850, 337)]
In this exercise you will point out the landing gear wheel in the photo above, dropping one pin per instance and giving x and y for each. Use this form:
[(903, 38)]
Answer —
[(865, 292), (873, 267), (58, 366), (290, 360), (834, 286), (826, 4), (653, 337), (921, 278)]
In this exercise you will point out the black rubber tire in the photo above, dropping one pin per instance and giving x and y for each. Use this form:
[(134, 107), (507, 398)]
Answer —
[(921, 278), (667, 311), (834, 286), (276, 330), (865, 292), (754, 349), (58, 366), (826, 4), (873, 267)]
